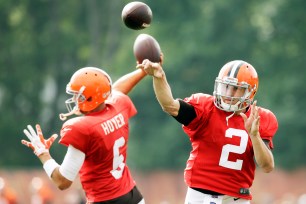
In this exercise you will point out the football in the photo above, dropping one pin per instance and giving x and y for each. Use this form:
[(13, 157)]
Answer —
[(146, 47), (137, 15)]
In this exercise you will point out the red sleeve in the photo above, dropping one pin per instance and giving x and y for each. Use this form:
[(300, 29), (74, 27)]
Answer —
[(121, 100), (72, 134), (268, 125), (202, 103)]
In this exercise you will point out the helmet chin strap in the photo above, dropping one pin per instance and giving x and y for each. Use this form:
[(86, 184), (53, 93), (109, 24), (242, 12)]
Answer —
[(74, 111), (229, 107), (228, 117)]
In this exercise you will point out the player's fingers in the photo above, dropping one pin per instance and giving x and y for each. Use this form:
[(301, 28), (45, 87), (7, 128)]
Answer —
[(146, 64), (39, 133), (26, 132), (31, 146), (252, 109), (139, 66), (161, 58), (156, 65), (143, 64), (32, 131), (255, 126), (28, 144), (38, 129), (256, 112), (257, 121), (244, 117), (51, 140), (53, 137)]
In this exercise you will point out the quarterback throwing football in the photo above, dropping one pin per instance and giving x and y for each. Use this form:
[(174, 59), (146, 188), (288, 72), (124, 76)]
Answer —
[(227, 130)]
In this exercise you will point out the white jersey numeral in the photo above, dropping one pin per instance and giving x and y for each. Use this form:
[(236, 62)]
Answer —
[(238, 149), (118, 164)]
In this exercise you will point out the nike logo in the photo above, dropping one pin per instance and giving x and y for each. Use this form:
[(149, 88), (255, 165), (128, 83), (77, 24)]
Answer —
[(235, 199)]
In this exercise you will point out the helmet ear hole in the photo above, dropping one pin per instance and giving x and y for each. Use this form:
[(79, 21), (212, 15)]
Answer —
[(89, 99)]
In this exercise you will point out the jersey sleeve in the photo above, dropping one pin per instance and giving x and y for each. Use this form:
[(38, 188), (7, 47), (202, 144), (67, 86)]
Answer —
[(123, 101), (72, 134), (202, 105), (268, 125)]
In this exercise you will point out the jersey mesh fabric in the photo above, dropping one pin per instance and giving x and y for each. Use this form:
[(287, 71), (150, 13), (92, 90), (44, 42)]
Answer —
[(222, 157), (103, 137)]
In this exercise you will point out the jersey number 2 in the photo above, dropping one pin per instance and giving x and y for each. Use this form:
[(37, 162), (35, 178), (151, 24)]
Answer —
[(229, 148), (118, 164)]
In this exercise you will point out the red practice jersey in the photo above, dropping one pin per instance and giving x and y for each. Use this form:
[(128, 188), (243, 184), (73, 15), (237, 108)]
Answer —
[(103, 137), (222, 156)]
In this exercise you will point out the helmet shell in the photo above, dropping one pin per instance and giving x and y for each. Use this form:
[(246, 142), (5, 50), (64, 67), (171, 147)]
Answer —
[(96, 85)]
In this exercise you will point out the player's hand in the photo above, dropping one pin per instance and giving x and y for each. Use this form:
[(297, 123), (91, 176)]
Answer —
[(152, 68), (161, 58), (252, 122), (37, 141)]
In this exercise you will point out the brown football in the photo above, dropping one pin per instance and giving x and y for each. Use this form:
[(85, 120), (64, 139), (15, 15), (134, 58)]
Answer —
[(146, 47), (136, 15)]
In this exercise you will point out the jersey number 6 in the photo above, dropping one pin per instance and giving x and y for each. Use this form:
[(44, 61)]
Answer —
[(118, 164)]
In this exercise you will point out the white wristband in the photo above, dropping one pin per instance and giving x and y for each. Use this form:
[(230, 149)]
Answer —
[(49, 166)]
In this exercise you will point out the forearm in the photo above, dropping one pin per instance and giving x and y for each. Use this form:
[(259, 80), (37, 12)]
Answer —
[(164, 95), (64, 174), (127, 82), (52, 170), (263, 156)]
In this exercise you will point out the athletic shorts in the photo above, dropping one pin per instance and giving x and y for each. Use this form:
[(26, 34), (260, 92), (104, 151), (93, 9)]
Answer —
[(132, 197)]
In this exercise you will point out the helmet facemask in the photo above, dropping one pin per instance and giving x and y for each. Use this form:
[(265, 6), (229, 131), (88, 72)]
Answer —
[(72, 103), (233, 103)]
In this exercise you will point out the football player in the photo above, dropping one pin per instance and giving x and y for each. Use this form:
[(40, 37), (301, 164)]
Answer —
[(96, 139), (227, 130)]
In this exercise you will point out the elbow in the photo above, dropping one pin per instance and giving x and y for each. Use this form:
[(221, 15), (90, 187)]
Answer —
[(60, 181), (64, 186), (170, 110), (267, 168)]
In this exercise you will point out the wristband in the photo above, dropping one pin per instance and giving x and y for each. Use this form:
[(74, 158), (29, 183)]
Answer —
[(49, 166)]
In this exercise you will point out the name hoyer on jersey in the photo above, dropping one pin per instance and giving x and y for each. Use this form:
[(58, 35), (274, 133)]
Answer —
[(113, 124)]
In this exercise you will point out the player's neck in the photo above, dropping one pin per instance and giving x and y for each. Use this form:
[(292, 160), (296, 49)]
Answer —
[(97, 109)]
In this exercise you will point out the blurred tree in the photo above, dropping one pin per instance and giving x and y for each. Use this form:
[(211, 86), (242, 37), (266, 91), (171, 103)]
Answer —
[(43, 42)]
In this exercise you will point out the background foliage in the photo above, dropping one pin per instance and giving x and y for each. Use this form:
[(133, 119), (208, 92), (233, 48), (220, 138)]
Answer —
[(44, 42)]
